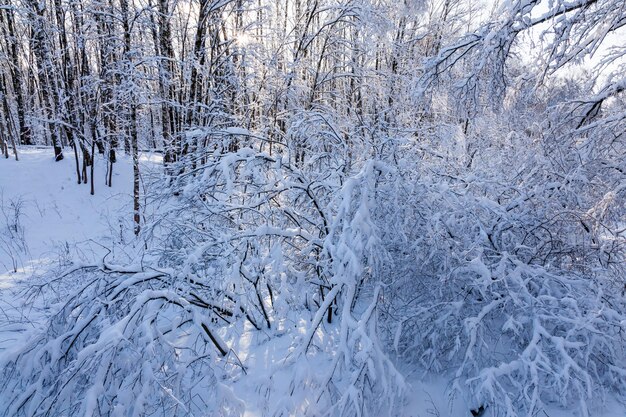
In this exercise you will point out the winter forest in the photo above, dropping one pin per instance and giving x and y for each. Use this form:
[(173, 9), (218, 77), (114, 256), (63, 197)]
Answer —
[(359, 208)]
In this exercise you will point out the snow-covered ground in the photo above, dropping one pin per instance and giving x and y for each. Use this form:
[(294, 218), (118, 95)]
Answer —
[(51, 217), (47, 219)]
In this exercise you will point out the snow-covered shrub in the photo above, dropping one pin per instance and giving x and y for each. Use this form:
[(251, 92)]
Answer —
[(279, 243), (125, 343), (501, 281), (252, 244)]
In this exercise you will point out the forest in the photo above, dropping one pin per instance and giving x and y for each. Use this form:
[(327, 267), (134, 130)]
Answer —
[(321, 207)]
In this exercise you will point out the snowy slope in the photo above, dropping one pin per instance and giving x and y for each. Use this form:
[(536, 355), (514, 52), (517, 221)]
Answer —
[(48, 220), (57, 217)]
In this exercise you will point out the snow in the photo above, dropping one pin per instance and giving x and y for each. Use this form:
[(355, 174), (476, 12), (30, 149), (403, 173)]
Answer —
[(433, 396), (59, 217), (61, 221), (233, 130)]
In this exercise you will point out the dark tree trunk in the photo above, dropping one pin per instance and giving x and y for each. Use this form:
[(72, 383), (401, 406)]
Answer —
[(6, 135), (104, 27), (16, 74), (44, 73), (134, 149), (166, 75)]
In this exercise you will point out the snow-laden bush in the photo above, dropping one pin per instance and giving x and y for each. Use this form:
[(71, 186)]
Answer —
[(283, 243), (508, 278), (125, 343), (251, 245)]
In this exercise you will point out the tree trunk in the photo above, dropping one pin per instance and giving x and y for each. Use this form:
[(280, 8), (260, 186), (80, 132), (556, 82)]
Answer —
[(66, 99), (16, 75), (44, 72), (133, 116), (166, 75), (104, 26)]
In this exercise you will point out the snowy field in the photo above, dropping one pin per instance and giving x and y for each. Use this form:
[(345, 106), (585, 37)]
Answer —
[(52, 216), (49, 223)]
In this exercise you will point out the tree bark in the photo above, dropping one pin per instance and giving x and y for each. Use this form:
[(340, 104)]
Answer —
[(166, 75), (133, 115), (41, 50), (16, 74)]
